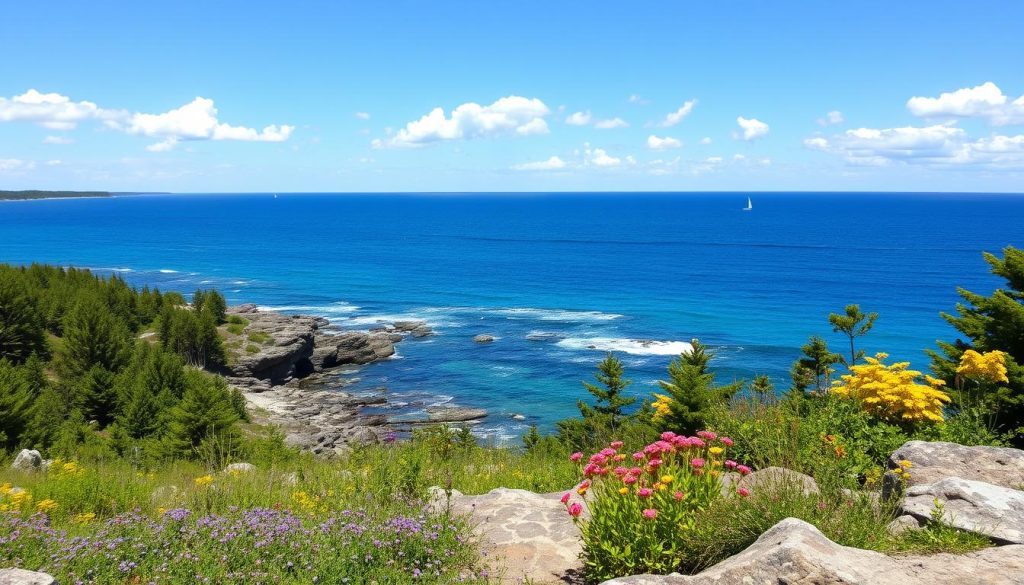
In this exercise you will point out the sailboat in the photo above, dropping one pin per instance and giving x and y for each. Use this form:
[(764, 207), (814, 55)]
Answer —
[(749, 205)]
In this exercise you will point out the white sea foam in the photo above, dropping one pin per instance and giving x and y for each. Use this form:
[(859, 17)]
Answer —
[(167, 271), (563, 315), (340, 307), (432, 319), (630, 346)]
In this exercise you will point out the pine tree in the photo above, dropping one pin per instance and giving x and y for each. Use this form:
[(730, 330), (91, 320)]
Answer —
[(994, 322), (763, 390), (693, 391), (815, 367), (93, 337), (217, 305), (99, 396), (21, 326), (853, 323), (204, 413), (15, 404), (598, 424)]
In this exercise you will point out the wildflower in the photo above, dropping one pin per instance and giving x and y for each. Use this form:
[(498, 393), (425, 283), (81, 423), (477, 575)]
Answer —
[(697, 463), (650, 513), (726, 441), (204, 480), (906, 464), (608, 452), (892, 392), (679, 496), (988, 367), (20, 498), (638, 456), (743, 492), (840, 451), (708, 435), (616, 444), (575, 510), (565, 497), (662, 406), (666, 479), (654, 463), (716, 450), (668, 436), (46, 506), (6, 489), (629, 479), (644, 492), (583, 488), (85, 517), (743, 469), (623, 490), (575, 457)]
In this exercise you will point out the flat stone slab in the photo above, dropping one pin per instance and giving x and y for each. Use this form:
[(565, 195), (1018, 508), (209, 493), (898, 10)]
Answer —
[(795, 553), (991, 510), (934, 460), (530, 535), (23, 577)]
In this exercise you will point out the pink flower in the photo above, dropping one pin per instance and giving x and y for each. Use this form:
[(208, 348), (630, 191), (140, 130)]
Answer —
[(654, 463), (619, 457), (726, 441), (706, 435), (730, 464), (575, 457), (598, 458), (678, 496), (644, 492), (664, 446), (638, 456), (607, 451), (695, 442), (743, 492), (565, 498), (620, 471), (743, 469), (652, 449), (575, 510), (668, 435), (629, 479), (697, 463), (650, 513), (616, 444)]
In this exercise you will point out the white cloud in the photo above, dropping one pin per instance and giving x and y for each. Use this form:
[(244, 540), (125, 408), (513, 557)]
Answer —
[(57, 140), (13, 165), (578, 118), (984, 101), (656, 143), (937, 145), (831, 119), (638, 100), (54, 162), (197, 120), (610, 124), (752, 128), (512, 114), (706, 140), (363, 115), (677, 116), (552, 164), (50, 110), (598, 157)]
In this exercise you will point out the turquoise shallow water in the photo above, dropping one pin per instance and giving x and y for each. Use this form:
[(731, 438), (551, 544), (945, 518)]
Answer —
[(557, 279)]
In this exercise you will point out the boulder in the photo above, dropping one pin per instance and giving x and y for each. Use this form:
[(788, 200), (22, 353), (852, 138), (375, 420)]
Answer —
[(530, 534), (442, 414), (902, 524), (27, 460), (355, 348), (991, 510), (934, 461), (287, 352), (483, 338), (796, 553), (23, 577), (778, 478), (240, 468), (414, 328)]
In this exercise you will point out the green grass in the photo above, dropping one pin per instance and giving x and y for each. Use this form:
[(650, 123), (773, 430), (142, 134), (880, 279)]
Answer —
[(252, 348), (235, 328), (238, 320), (260, 337)]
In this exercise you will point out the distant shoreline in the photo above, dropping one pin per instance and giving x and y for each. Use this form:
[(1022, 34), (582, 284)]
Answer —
[(34, 195)]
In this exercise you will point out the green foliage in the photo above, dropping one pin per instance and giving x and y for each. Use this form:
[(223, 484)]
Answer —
[(814, 369), (15, 403), (259, 337), (987, 323), (853, 323), (693, 391), (205, 412), (210, 301), (21, 327), (762, 389), (602, 421), (192, 335), (93, 336)]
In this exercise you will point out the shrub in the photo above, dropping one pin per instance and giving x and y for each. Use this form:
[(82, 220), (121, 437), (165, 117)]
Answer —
[(638, 513), (259, 337), (892, 392)]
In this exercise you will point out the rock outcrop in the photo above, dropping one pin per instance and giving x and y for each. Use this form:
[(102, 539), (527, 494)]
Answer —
[(796, 553), (778, 478), (483, 338), (275, 347), (27, 460), (934, 461), (976, 506), (352, 348), (414, 328), (23, 577)]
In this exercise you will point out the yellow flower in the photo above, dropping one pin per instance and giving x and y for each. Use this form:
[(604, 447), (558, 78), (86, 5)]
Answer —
[(160, 511), (905, 464), (667, 479), (662, 406), (46, 506), (988, 367), (85, 517), (6, 489), (716, 450), (204, 480), (623, 490), (20, 499), (892, 392)]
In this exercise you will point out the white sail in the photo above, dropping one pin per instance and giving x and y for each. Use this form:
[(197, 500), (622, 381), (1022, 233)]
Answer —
[(749, 205)]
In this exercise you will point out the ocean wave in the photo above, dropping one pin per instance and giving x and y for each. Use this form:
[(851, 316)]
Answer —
[(167, 271), (432, 319), (339, 307), (630, 346), (563, 315)]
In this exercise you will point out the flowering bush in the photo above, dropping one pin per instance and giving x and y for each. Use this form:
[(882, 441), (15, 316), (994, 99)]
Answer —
[(641, 504), (892, 392), (983, 367)]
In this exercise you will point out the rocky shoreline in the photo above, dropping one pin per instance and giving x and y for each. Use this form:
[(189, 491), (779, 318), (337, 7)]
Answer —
[(289, 368)]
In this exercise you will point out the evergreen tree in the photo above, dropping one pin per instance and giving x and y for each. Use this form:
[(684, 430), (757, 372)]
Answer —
[(853, 323), (763, 390), (93, 337), (815, 367), (140, 416), (693, 391), (21, 326), (99, 396), (204, 413), (45, 418), (215, 303), (599, 423), (987, 323), (15, 404)]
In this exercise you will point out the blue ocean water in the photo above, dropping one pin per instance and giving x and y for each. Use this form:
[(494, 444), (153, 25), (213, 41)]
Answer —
[(558, 279)]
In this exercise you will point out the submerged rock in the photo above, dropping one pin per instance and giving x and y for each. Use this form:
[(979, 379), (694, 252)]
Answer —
[(483, 338)]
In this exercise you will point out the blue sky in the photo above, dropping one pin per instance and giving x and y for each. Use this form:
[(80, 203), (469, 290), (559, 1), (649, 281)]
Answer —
[(512, 96)]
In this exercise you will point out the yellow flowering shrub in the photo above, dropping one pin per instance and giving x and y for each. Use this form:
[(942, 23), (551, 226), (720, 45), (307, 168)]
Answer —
[(204, 480), (892, 392), (662, 406), (46, 506), (984, 367)]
